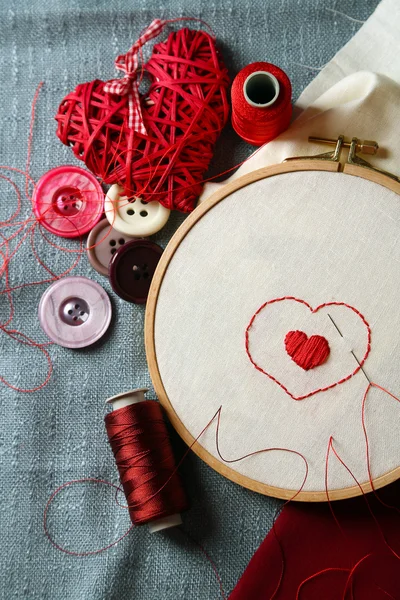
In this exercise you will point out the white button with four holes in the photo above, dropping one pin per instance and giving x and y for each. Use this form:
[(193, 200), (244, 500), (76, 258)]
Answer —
[(102, 243), (134, 217)]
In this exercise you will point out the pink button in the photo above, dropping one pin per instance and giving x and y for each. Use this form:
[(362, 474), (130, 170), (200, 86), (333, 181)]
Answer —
[(68, 201), (75, 312)]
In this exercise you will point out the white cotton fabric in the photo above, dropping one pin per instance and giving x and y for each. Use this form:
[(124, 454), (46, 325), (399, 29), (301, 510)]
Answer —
[(317, 236), (320, 237), (356, 94)]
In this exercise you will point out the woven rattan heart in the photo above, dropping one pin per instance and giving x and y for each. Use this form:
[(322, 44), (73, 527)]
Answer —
[(183, 114)]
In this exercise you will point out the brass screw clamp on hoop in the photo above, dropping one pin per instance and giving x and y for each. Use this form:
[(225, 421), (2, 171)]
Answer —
[(355, 146)]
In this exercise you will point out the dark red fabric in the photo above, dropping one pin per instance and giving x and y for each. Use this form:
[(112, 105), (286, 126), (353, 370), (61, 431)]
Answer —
[(312, 541)]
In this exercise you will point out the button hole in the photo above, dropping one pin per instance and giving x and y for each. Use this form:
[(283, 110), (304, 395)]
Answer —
[(113, 250), (143, 213), (130, 212), (77, 306), (121, 241), (112, 242)]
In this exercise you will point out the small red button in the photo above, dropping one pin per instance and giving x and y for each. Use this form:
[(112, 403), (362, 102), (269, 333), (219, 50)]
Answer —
[(68, 201)]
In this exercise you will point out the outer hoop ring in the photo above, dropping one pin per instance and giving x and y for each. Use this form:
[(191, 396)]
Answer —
[(196, 215)]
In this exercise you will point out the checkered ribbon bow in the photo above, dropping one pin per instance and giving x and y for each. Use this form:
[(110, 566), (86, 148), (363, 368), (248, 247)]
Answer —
[(128, 63)]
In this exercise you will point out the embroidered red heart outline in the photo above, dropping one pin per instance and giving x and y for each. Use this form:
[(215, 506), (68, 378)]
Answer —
[(307, 352), (312, 310)]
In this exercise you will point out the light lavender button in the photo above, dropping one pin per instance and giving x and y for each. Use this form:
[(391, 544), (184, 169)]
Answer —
[(75, 312)]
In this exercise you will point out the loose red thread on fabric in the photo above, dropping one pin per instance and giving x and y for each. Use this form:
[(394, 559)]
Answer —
[(331, 447), (126, 442), (25, 227), (133, 437), (306, 352), (351, 571), (364, 494), (278, 512), (19, 229), (126, 434), (364, 426), (52, 497), (318, 574), (258, 125), (210, 560), (378, 587), (118, 489), (186, 107), (313, 310)]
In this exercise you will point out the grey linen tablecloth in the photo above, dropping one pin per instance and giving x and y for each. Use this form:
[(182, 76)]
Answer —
[(57, 434)]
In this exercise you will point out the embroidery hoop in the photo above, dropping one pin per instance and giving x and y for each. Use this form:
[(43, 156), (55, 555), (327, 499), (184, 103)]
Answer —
[(327, 162)]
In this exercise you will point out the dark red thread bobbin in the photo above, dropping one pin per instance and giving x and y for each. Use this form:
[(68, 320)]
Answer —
[(185, 109), (261, 102), (143, 453)]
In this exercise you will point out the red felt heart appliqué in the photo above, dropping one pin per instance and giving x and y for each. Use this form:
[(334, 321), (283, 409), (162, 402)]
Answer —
[(306, 352), (183, 113)]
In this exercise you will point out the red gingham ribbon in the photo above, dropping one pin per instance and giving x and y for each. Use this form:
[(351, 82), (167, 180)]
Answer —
[(128, 63)]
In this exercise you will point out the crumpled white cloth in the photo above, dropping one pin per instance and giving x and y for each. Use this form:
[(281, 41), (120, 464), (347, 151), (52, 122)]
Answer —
[(343, 99)]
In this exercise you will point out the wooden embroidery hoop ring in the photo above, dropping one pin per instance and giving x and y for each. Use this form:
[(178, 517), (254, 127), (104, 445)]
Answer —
[(328, 162)]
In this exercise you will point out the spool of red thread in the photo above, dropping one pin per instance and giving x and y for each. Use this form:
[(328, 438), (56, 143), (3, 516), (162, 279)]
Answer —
[(261, 102), (142, 449)]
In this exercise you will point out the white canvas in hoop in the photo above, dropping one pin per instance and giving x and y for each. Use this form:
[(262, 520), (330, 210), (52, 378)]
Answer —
[(324, 238), (329, 257)]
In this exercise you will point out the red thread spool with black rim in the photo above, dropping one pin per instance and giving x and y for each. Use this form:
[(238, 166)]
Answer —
[(261, 102), (142, 449)]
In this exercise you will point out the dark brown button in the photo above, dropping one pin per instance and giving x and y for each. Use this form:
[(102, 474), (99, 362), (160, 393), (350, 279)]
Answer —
[(131, 269)]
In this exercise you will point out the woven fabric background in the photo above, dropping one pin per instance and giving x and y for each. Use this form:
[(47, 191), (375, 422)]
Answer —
[(57, 434)]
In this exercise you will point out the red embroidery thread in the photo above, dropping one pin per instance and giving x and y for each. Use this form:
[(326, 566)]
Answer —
[(313, 310), (306, 352)]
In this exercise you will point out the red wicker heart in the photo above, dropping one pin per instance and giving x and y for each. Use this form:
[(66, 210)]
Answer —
[(184, 112)]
